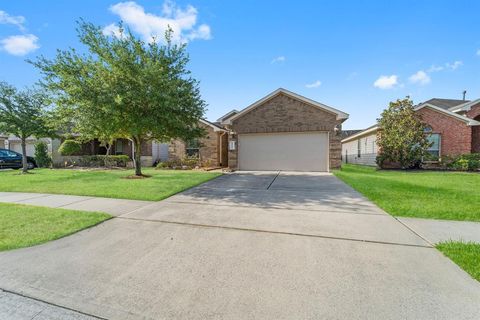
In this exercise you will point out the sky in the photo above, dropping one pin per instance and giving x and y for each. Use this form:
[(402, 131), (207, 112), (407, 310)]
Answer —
[(355, 56)]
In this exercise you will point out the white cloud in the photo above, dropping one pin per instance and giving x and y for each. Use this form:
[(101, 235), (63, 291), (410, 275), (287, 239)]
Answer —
[(454, 66), (435, 68), (315, 84), (421, 77), (18, 21), (386, 82), (278, 59), (20, 45), (182, 21), (112, 30)]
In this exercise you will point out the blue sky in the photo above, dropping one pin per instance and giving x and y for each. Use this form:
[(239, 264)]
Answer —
[(352, 55)]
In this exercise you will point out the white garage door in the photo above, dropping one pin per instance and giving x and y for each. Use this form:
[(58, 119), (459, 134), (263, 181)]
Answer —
[(283, 151)]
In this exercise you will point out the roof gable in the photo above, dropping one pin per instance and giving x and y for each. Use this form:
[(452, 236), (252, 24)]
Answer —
[(444, 103), (468, 121), (213, 125), (339, 114), (467, 106)]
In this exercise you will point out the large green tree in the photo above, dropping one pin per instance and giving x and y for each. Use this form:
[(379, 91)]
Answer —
[(24, 113), (124, 87), (402, 138)]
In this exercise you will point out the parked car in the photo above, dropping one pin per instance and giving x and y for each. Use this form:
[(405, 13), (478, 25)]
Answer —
[(13, 160)]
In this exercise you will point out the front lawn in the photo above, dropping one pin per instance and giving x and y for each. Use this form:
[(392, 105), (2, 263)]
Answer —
[(104, 183), (24, 226), (466, 255), (421, 194)]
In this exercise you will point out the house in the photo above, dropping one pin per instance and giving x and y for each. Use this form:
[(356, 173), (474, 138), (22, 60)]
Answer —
[(284, 131), (281, 131), (453, 127)]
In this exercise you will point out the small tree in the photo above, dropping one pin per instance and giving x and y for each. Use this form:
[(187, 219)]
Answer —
[(127, 88), (23, 114), (402, 138), (42, 157)]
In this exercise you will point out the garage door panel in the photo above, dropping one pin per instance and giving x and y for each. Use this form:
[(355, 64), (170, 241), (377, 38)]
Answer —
[(284, 151)]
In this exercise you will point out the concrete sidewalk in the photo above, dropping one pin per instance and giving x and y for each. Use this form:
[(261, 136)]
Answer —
[(436, 231), (114, 207)]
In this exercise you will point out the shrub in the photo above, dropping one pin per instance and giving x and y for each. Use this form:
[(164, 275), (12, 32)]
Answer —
[(41, 155), (188, 162), (104, 160), (69, 147), (464, 162)]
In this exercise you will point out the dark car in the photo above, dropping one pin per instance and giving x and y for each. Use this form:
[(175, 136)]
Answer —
[(13, 160)]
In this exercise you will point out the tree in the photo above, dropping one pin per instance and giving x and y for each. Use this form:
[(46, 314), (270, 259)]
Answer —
[(402, 138), (24, 114), (124, 87), (42, 157)]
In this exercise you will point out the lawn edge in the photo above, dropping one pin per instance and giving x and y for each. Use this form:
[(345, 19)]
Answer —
[(110, 217)]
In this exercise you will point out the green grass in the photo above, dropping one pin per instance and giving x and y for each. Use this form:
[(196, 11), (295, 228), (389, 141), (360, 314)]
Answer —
[(24, 226), (466, 255), (104, 183), (422, 194)]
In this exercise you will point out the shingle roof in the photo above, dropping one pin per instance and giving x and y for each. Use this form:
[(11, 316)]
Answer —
[(445, 103), (347, 133)]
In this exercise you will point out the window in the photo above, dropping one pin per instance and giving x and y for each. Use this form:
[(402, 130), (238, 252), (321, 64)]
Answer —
[(192, 148), (9, 154), (359, 148), (434, 149), (118, 147)]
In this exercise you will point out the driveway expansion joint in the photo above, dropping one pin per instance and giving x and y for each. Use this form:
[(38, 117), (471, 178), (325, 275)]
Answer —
[(278, 173), (51, 304), (416, 233), (274, 232)]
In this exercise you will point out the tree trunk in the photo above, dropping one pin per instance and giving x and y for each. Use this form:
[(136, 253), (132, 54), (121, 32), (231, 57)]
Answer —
[(137, 156), (24, 155), (107, 160)]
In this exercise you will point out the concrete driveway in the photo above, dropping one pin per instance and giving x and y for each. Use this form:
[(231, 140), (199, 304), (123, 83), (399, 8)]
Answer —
[(249, 245)]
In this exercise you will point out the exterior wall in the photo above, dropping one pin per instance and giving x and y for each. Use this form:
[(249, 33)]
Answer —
[(368, 150), (455, 135), (285, 114), (209, 150), (474, 113), (2, 143)]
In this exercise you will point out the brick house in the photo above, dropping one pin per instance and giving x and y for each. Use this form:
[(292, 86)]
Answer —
[(453, 128), (284, 131)]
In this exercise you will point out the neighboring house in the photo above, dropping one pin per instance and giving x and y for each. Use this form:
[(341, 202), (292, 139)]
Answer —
[(14, 143), (284, 131), (453, 127)]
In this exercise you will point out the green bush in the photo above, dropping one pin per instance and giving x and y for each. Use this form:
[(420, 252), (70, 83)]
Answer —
[(104, 160), (69, 147), (464, 162), (41, 155), (188, 162)]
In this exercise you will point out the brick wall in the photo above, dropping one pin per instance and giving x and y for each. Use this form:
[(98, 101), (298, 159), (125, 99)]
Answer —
[(474, 113), (209, 147), (285, 114), (456, 135)]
